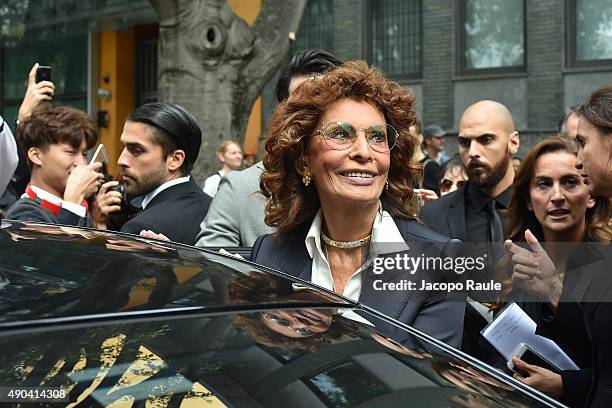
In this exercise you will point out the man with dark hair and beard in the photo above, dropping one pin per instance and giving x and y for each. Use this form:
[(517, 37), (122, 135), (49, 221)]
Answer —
[(161, 142)]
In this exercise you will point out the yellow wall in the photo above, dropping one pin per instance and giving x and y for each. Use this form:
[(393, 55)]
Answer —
[(117, 65), (248, 10)]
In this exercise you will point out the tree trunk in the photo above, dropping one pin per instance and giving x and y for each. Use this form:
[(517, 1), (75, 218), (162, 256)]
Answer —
[(215, 65)]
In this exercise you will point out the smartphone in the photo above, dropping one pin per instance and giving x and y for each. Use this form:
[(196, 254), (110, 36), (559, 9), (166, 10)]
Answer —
[(43, 73), (528, 355), (99, 155)]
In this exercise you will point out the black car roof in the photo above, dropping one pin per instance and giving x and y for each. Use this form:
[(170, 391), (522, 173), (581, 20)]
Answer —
[(49, 271)]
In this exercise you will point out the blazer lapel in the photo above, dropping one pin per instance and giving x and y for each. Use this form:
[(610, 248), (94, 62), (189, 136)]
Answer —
[(389, 302), (173, 192), (296, 260), (456, 217)]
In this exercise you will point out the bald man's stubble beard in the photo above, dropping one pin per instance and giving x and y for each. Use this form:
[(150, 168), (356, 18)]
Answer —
[(486, 180)]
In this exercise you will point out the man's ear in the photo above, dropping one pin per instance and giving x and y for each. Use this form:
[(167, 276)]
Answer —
[(175, 160), (514, 143), (34, 154)]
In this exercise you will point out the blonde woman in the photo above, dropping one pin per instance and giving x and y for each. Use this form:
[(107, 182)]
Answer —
[(230, 155)]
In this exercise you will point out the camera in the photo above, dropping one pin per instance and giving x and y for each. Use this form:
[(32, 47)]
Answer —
[(127, 212), (120, 188)]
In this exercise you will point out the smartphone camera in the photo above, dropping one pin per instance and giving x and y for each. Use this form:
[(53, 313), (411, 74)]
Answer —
[(43, 73)]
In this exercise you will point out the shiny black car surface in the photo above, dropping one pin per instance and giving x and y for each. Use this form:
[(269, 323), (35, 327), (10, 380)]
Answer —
[(123, 321)]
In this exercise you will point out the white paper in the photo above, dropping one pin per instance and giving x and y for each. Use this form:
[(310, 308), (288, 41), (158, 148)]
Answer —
[(512, 327)]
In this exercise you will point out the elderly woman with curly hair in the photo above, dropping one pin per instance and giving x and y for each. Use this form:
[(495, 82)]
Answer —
[(338, 177)]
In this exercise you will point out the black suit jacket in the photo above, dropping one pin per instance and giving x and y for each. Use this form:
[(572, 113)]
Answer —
[(176, 212), (431, 312), (597, 314), (446, 215)]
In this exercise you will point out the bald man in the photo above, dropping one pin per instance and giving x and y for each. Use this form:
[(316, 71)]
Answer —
[(487, 142), (476, 213)]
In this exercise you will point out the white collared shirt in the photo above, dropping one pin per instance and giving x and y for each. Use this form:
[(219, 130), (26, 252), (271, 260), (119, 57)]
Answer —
[(72, 207), (211, 184), (386, 238), (150, 196)]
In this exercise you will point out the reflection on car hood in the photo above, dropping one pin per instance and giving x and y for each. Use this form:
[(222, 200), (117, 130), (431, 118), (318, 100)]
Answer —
[(240, 360), (49, 271)]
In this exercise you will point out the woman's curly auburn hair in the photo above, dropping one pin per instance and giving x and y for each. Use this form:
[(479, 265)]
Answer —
[(293, 123)]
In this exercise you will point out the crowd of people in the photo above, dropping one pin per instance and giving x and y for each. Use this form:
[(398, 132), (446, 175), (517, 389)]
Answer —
[(344, 159)]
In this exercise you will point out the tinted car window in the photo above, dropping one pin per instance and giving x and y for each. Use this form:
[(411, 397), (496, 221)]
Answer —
[(50, 271), (243, 360)]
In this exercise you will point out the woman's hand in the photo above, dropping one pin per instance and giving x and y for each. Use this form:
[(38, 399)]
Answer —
[(534, 270), (426, 195), (539, 378)]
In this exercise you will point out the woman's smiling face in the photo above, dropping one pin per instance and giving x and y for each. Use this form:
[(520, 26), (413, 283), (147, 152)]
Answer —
[(356, 175)]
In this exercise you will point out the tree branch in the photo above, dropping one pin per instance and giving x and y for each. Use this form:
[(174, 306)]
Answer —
[(275, 21), (165, 8)]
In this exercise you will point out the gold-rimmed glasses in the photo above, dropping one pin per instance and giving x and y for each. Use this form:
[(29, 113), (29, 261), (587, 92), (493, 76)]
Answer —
[(341, 135)]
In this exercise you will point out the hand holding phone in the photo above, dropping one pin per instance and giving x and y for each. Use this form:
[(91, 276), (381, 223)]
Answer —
[(40, 89), (43, 73), (100, 155), (528, 355)]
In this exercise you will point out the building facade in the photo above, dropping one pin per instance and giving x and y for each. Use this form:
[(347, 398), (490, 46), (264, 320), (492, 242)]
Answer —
[(538, 57)]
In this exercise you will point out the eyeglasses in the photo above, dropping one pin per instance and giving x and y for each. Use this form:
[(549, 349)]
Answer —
[(341, 135), (302, 332), (446, 184)]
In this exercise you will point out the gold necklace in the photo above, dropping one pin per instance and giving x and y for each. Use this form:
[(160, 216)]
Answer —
[(345, 244)]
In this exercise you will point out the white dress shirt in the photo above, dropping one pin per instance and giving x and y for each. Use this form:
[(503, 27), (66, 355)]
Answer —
[(211, 184), (386, 238), (44, 195), (150, 196)]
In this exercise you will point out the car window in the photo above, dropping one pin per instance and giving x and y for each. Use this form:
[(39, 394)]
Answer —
[(50, 271), (289, 357)]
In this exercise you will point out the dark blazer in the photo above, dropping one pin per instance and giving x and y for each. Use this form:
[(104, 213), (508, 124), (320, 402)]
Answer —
[(591, 384), (446, 215), (27, 209), (598, 316), (176, 212), (431, 312)]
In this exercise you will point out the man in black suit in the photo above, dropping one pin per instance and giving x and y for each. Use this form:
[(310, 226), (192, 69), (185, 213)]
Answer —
[(487, 142), (161, 143), (476, 214)]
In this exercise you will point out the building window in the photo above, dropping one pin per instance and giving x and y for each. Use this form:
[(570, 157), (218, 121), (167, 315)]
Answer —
[(491, 36), (590, 42), (396, 33), (67, 57), (316, 30)]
